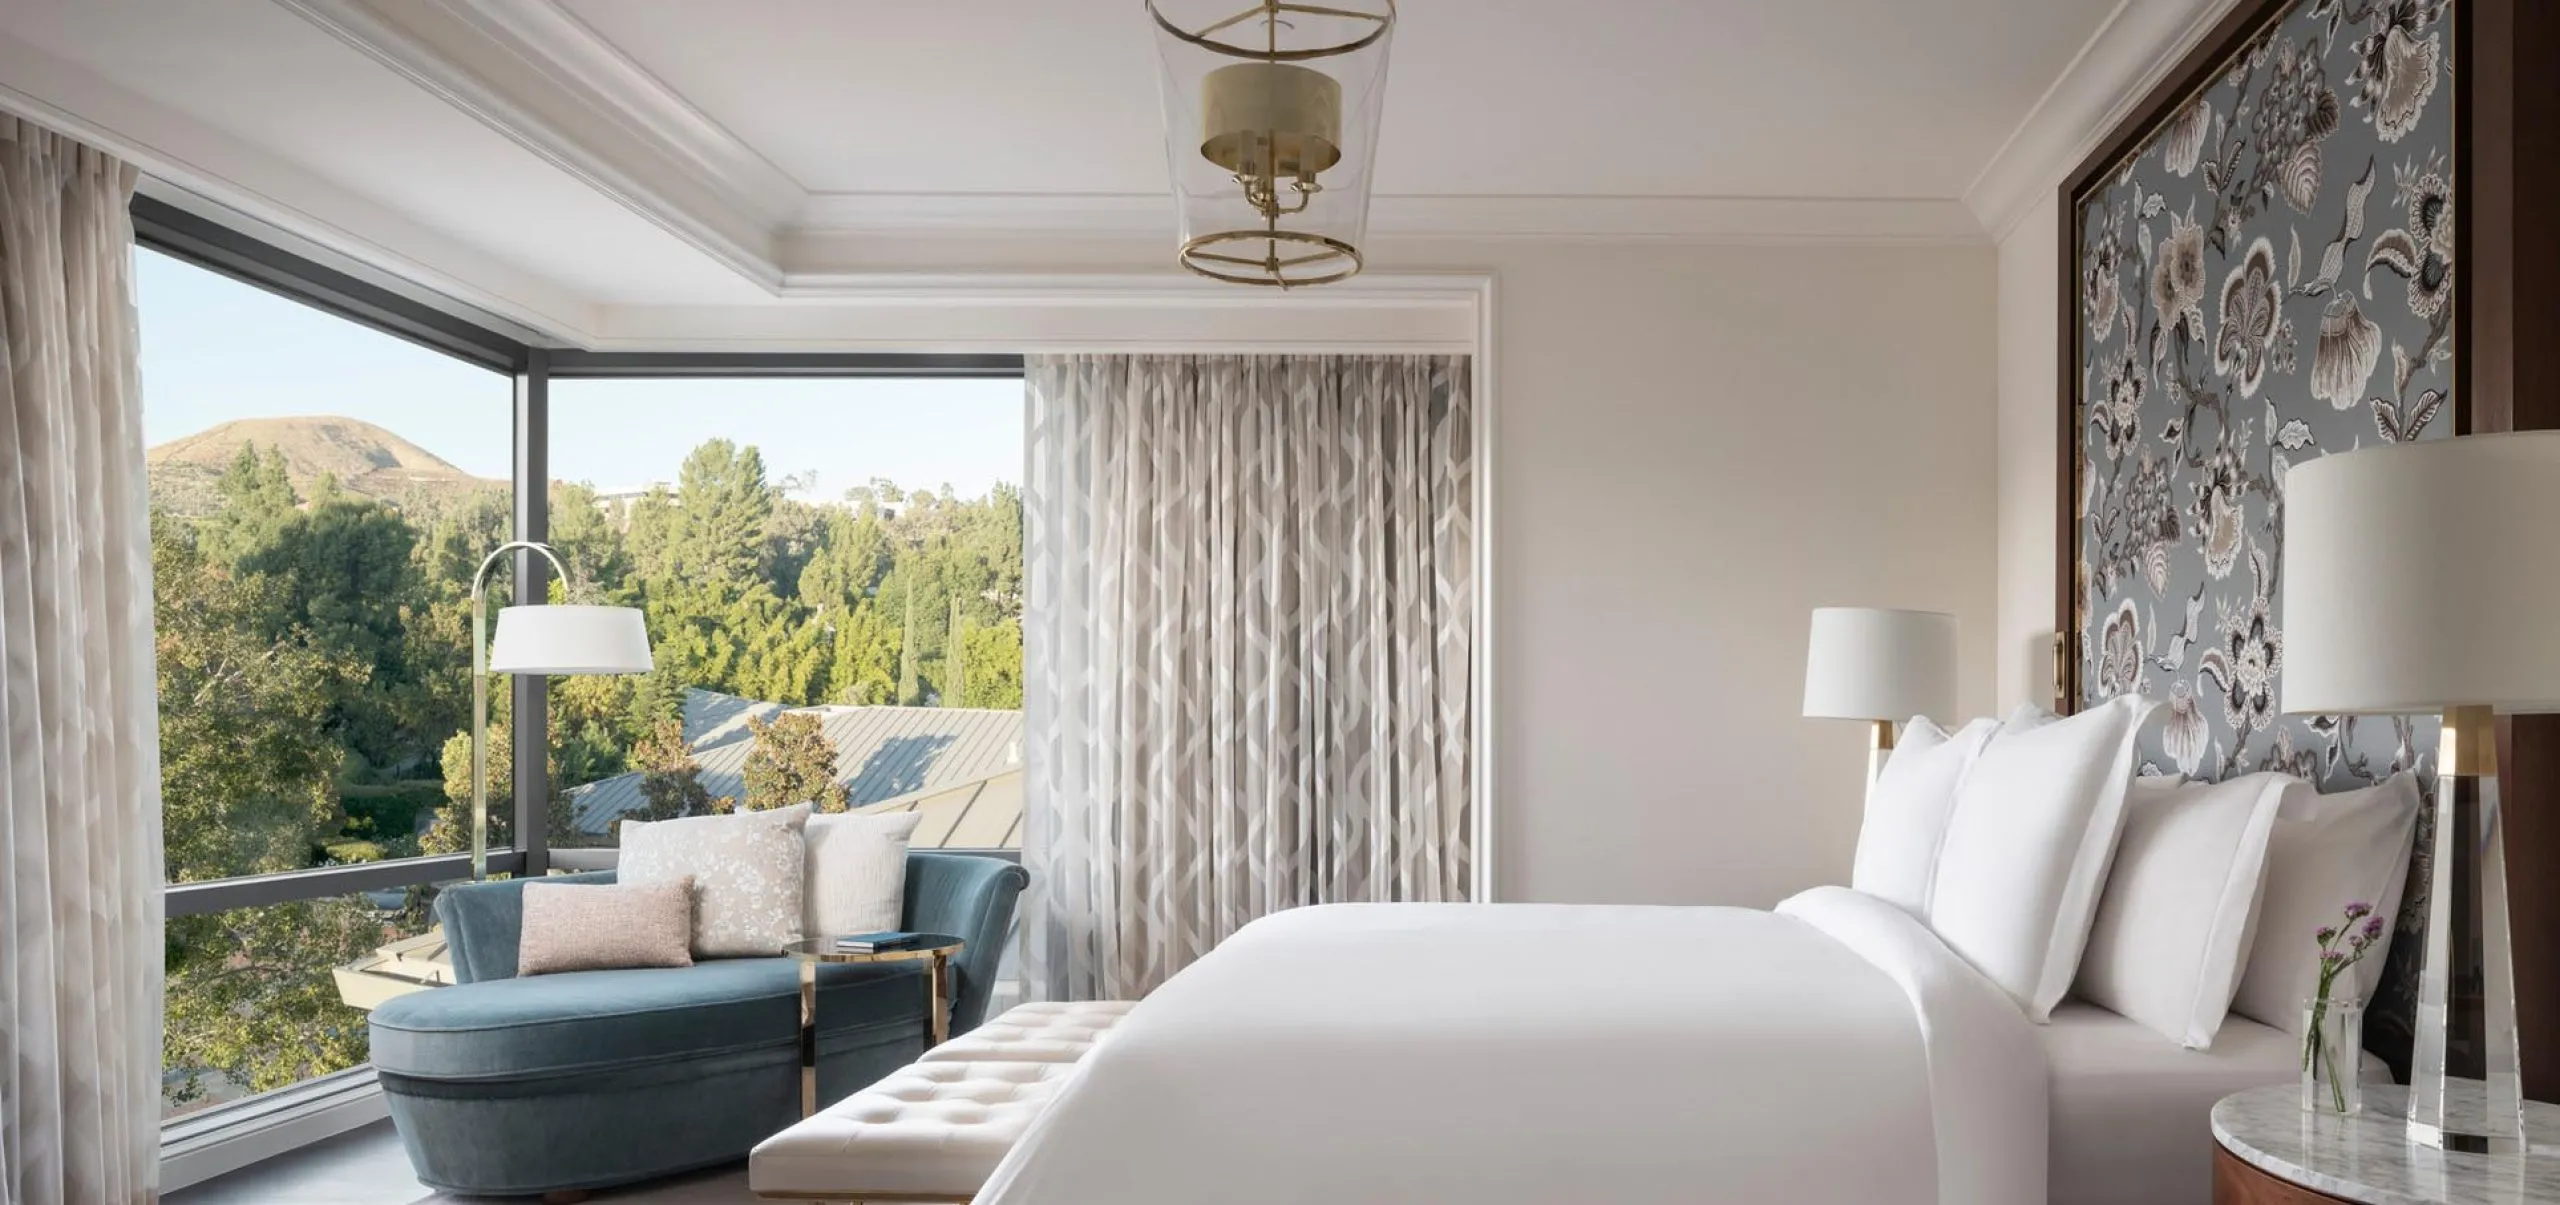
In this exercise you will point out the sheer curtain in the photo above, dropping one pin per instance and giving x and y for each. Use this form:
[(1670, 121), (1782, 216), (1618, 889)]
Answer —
[(79, 773), (1248, 645)]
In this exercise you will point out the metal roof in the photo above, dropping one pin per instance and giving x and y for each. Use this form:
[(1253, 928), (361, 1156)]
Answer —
[(884, 755)]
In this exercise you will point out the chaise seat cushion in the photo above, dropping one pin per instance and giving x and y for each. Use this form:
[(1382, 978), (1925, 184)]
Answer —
[(583, 1022)]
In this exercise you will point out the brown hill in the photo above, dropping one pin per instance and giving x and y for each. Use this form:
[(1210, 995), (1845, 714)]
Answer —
[(365, 459)]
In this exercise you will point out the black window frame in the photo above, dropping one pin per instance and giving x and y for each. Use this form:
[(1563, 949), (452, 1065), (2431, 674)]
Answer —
[(196, 239)]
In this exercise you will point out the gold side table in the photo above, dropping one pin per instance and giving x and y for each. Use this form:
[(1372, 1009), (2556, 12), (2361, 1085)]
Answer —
[(936, 948)]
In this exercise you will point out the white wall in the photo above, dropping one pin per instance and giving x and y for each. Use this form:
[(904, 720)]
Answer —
[(2028, 295), (1696, 445)]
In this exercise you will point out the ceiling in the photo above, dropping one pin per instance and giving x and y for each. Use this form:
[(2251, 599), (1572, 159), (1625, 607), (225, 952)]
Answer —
[(549, 157)]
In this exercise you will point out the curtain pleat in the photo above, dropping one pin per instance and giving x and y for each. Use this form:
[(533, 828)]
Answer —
[(1248, 643), (80, 908)]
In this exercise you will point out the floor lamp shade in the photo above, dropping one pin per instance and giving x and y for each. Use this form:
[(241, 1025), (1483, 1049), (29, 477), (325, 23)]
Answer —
[(570, 640), (1867, 663), (2422, 576)]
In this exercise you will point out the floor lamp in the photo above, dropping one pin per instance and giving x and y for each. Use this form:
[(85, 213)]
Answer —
[(1882, 666), (2421, 578), (538, 639)]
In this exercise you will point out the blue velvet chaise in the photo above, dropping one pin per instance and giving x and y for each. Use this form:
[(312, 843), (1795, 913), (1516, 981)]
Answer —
[(520, 1087)]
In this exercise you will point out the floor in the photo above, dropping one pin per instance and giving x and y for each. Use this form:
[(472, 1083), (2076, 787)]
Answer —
[(367, 1167)]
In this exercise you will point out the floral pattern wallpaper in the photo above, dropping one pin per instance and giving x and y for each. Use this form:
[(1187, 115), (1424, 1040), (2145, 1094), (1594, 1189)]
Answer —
[(2270, 278)]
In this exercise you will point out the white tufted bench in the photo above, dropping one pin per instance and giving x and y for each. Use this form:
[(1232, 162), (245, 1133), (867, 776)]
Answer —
[(928, 1132), (1039, 1032)]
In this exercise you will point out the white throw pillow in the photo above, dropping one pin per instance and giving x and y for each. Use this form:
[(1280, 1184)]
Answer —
[(1907, 811), (2027, 848), (748, 870), (2173, 925), (2327, 851), (858, 872)]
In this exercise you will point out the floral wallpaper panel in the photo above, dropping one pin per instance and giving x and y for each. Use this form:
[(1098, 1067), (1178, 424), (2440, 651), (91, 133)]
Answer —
[(2270, 278)]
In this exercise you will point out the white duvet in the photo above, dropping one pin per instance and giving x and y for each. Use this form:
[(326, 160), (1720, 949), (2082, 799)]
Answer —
[(1406, 1054)]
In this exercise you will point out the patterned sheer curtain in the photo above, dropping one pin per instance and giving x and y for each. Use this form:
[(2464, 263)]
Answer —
[(1248, 645), (80, 767)]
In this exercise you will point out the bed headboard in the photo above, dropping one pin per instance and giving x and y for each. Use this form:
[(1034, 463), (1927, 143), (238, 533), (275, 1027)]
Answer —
[(2258, 268)]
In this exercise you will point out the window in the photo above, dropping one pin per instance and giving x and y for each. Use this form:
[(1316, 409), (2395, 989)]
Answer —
[(320, 494), (832, 573)]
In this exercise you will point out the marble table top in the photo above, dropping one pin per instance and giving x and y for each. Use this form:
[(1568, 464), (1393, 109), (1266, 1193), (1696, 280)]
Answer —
[(2369, 1157)]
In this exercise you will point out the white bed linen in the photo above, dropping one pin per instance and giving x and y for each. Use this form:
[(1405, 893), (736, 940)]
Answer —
[(1832, 1051), (2132, 1110)]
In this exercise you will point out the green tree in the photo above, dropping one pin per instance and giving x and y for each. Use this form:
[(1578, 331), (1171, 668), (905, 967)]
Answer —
[(994, 655), (792, 762), (257, 498), (723, 505), (670, 779)]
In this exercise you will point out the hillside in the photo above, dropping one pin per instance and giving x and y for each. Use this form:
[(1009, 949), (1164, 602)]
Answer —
[(366, 460)]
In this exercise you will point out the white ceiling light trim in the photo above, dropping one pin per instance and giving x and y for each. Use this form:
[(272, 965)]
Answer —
[(2130, 54)]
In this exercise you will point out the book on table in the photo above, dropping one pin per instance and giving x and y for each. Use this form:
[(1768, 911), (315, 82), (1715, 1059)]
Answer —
[(873, 943)]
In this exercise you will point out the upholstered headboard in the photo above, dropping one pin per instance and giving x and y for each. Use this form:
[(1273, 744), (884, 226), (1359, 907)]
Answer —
[(2260, 271)]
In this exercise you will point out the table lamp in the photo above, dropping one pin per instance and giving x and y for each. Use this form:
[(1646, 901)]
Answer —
[(2421, 578), (1881, 666), (550, 640)]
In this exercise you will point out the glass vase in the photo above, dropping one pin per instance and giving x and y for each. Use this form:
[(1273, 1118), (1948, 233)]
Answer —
[(2332, 1054)]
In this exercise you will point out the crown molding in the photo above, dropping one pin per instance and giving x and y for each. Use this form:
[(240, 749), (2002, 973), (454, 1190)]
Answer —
[(471, 60), (845, 217), (2132, 51), (185, 154)]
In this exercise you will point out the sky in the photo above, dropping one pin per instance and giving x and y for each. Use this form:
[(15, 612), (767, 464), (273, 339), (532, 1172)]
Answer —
[(214, 350)]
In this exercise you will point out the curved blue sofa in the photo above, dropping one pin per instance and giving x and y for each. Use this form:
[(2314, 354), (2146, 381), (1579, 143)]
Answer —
[(503, 1086)]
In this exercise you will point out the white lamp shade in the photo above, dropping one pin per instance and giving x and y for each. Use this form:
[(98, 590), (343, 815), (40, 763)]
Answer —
[(570, 640), (1866, 663), (2421, 576)]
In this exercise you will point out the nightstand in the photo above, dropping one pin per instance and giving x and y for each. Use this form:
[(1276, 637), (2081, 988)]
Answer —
[(2268, 1151)]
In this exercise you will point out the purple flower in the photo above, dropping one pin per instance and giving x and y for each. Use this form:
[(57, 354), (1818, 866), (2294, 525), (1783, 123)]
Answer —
[(2333, 958), (2359, 910), (2373, 929), (2327, 934)]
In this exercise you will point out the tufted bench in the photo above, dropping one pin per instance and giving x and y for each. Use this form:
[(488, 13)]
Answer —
[(930, 1132), (1039, 1032), (935, 1130)]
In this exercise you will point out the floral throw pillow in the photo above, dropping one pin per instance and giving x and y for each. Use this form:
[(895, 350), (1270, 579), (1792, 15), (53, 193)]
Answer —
[(749, 871)]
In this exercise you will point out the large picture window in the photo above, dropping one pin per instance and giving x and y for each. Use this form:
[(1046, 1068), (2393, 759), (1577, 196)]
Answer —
[(832, 573), (828, 551), (319, 494)]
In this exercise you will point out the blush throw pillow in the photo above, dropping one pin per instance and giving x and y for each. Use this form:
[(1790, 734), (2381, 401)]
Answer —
[(2326, 851), (748, 873), (2026, 852), (1907, 811), (857, 879), (2173, 928), (605, 926)]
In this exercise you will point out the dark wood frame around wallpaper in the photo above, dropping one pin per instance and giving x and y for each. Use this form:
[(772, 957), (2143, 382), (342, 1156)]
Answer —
[(2506, 377)]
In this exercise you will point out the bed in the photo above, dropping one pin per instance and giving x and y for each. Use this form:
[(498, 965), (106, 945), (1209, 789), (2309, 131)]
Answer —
[(2131, 1109), (1830, 1052)]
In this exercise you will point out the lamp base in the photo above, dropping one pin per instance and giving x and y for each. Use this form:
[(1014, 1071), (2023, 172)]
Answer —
[(2466, 1082)]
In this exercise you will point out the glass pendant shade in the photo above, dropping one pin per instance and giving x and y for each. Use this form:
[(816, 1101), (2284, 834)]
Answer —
[(1271, 125)]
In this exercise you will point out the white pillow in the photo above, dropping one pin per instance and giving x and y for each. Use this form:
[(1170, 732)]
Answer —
[(2026, 851), (858, 872), (748, 870), (2326, 852), (1907, 811), (2173, 930)]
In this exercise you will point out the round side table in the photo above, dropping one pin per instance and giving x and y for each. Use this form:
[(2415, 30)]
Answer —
[(936, 948), (2268, 1151)]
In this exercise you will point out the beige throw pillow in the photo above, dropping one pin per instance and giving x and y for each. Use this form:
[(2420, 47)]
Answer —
[(603, 926), (748, 872), (858, 872)]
